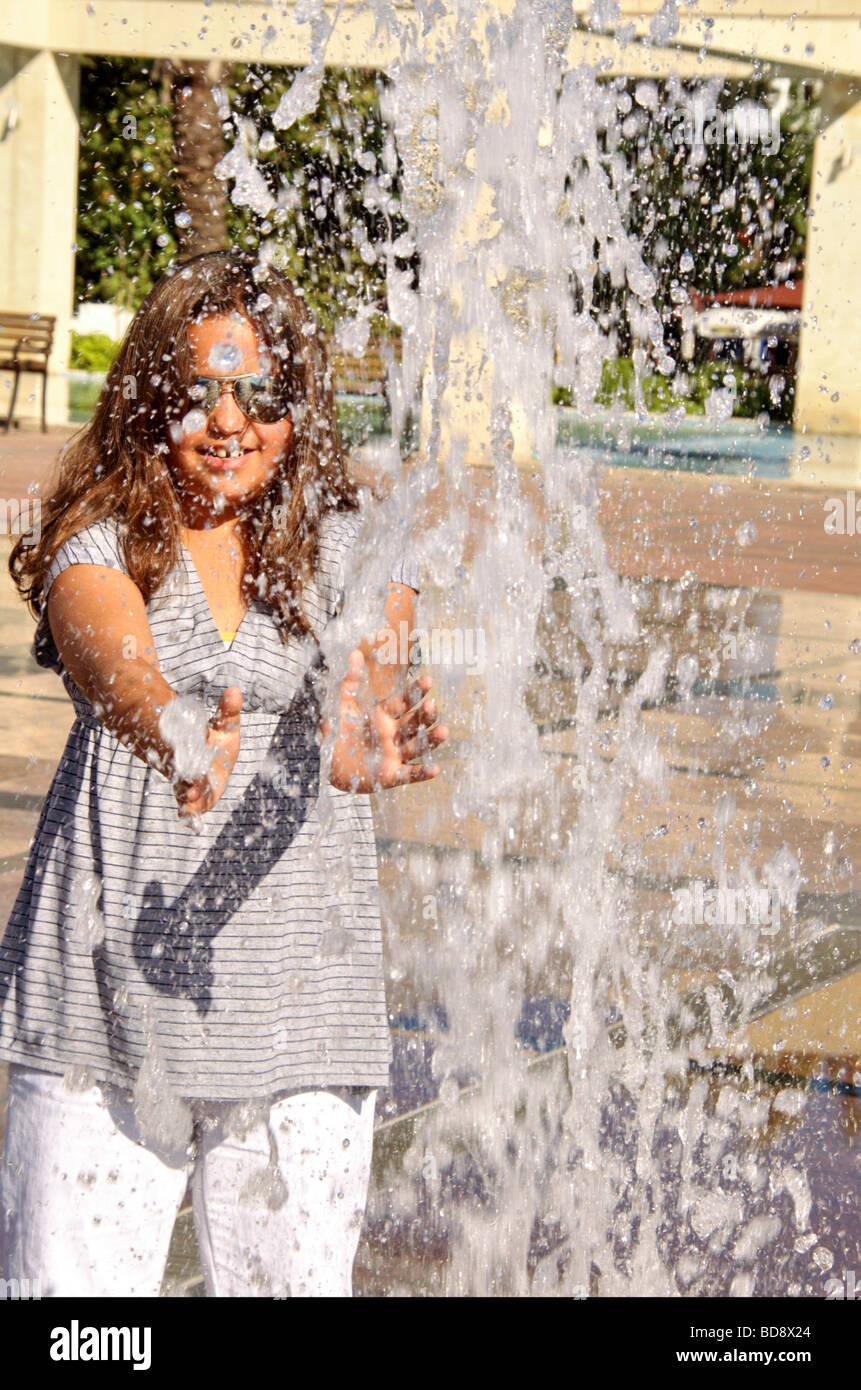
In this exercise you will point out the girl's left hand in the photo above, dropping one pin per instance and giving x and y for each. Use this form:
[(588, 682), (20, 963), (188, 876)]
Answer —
[(377, 741)]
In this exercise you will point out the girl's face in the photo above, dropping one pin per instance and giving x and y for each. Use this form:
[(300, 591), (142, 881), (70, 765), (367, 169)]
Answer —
[(221, 458)]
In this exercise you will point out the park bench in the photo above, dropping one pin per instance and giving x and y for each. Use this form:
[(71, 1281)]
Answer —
[(25, 345), (362, 376)]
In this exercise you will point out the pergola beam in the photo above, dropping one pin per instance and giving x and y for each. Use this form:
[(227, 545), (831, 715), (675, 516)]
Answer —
[(733, 38)]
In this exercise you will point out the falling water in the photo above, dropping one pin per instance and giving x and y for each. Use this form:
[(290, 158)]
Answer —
[(600, 1166)]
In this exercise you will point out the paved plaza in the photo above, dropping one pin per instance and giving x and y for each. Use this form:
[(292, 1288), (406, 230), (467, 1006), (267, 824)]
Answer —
[(781, 714)]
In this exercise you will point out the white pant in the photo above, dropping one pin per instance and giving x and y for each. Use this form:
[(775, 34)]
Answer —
[(87, 1204)]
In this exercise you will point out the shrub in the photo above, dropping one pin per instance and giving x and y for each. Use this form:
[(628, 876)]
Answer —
[(92, 352), (752, 394)]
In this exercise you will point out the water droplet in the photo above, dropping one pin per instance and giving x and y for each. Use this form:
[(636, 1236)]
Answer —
[(193, 421), (225, 357), (183, 220), (449, 1091)]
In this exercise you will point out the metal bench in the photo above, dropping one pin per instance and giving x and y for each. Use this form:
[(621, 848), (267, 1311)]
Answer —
[(25, 346)]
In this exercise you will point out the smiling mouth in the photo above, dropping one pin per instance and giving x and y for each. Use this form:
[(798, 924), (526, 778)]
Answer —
[(222, 455)]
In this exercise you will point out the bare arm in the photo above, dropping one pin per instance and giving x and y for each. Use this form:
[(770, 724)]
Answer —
[(102, 633), (389, 678)]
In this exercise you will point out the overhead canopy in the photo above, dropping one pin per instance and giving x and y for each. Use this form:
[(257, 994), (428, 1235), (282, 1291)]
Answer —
[(789, 295)]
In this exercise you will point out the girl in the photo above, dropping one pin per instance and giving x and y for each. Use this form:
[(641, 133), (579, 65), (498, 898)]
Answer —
[(205, 1004)]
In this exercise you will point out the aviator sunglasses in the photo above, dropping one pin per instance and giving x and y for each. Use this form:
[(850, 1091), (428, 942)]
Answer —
[(259, 397)]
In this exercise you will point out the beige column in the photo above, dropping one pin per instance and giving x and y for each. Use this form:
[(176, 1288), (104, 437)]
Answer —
[(38, 213), (828, 399)]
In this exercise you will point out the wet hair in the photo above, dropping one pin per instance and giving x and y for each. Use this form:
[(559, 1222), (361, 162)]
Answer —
[(117, 465)]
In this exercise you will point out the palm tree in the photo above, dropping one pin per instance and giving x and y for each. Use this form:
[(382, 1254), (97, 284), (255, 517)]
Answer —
[(198, 142)]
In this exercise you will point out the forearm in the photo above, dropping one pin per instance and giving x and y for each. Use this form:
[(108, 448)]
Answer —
[(102, 633), (386, 665), (388, 654), (129, 702)]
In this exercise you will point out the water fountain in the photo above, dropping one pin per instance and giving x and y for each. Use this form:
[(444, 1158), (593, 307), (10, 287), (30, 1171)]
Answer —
[(605, 1157)]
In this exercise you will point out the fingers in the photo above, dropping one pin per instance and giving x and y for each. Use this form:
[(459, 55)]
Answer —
[(201, 795), (406, 700), (415, 772), (426, 740), (193, 797), (417, 689), (355, 667), (226, 717), (416, 731), (425, 713)]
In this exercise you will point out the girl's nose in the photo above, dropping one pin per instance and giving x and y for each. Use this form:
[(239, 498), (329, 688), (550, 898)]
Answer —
[(226, 415)]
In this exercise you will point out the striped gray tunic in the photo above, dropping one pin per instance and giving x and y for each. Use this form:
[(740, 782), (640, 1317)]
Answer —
[(240, 962)]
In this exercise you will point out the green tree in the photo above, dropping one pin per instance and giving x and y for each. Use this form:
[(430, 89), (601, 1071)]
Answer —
[(333, 178), (126, 198), (735, 219)]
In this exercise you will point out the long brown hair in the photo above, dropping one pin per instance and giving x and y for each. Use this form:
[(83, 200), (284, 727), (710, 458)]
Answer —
[(116, 465)]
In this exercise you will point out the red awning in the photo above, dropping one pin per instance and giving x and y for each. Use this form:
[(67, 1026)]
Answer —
[(786, 296)]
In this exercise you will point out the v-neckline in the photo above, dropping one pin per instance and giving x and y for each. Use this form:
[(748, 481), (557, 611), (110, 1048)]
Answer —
[(213, 624)]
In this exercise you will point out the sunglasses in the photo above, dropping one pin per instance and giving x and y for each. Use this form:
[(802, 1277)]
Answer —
[(259, 397)]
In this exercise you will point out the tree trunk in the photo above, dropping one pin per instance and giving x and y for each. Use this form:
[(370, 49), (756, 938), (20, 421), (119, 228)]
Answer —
[(198, 146)]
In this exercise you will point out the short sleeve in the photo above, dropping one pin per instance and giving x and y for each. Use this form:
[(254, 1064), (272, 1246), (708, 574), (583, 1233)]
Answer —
[(97, 544), (406, 571), (338, 535)]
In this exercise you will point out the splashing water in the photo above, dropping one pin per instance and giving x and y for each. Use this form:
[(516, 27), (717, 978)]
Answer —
[(225, 357), (89, 926), (602, 1166), (183, 724)]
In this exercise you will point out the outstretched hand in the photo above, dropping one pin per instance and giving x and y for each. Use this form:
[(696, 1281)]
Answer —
[(378, 740), (223, 737)]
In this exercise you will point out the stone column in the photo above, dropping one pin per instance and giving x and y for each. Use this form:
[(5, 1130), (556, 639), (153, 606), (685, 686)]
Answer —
[(828, 400), (39, 176)]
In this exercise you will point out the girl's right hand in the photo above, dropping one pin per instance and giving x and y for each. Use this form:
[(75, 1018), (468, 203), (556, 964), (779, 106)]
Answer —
[(223, 735)]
